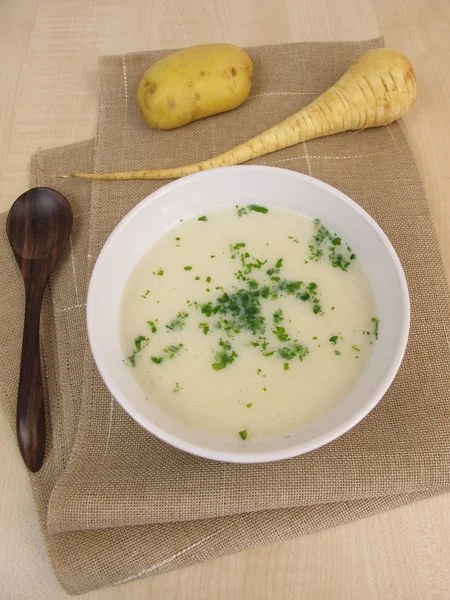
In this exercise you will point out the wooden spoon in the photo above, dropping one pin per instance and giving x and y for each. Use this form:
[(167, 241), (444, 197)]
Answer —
[(38, 227)]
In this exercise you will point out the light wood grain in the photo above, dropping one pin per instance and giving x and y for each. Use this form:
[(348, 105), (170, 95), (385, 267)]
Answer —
[(48, 82)]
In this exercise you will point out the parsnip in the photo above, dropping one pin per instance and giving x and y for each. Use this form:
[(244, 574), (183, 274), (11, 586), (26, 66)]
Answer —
[(378, 88)]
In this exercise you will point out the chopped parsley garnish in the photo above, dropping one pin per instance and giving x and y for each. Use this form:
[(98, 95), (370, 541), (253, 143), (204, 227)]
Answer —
[(244, 306), (224, 357), (376, 328), (355, 348), (278, 316), (202, 218), (139, 344), (178, 323), (333, 339), (294, 350), (152, 325), (160, 273), (177, 239), (243, 434), (337, 352), (259, 209), (145, 294), (249, 405), (281, 334), (172, 351), (240, 310), (295, 240), (338, 259), (244, 210), (205, 328), (176, 388)]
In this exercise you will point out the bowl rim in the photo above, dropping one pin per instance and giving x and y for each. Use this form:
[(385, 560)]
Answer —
[(250, 457)]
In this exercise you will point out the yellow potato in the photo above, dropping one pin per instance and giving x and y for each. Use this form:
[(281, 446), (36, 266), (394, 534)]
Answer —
[(194, 83)]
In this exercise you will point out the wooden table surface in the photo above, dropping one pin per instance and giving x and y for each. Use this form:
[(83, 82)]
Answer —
[(49, 96)]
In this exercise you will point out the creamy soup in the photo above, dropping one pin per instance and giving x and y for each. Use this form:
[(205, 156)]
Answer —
[(248, 323)]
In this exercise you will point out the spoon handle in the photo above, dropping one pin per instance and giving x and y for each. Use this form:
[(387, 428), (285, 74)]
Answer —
[(30, 422)]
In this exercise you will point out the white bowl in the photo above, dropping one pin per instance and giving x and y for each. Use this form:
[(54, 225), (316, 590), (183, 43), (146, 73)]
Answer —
[(226, 187)]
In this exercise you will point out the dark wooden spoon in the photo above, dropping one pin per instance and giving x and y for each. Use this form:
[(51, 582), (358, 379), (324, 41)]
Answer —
[(38, 227)]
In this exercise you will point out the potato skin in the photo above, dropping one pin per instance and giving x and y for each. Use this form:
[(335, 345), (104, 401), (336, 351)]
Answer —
[(194, 83)]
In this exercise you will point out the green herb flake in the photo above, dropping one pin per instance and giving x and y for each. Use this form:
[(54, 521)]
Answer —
[(172, 350), (178, 323), (286, 366), (177, 239), (224, 357), (176, 388), (264, 389), (278, 316), (208, 279), (243, 434), (376, 328), (157, 359), (355, 348), (281, 334), (333, 339), (197, 278), (139, 344), (337, 259), (337, 352), (205, 327), (249, 405), (145, 294), (279, 263), (259, 209), (202, 218), (139, 341), (160, 273), (188, 268), (152, 325), (315, 337)]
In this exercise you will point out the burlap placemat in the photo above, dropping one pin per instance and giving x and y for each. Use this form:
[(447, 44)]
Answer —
[(121, 475), (84, 560)]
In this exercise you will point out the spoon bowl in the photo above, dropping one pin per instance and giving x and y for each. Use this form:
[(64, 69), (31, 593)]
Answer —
[(38, 228)]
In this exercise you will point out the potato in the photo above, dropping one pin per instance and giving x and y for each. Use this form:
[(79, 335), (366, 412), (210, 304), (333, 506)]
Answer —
[(194, 83)]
